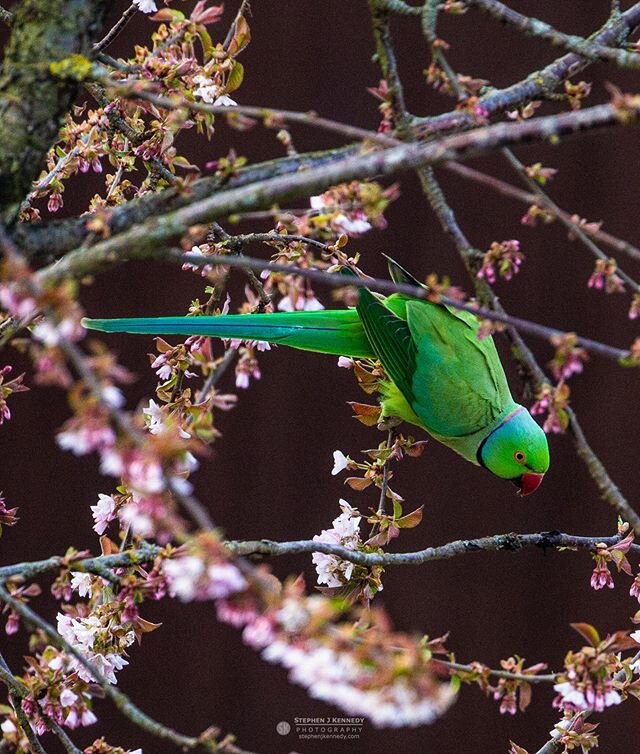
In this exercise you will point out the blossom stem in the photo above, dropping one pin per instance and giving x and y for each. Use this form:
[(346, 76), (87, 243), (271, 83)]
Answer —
[(528, 677)]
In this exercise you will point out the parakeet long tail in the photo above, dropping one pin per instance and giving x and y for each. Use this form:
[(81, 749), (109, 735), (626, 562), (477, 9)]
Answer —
[(338, 332)]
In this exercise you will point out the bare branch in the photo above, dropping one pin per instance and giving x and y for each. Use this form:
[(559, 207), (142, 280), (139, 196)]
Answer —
[(496, 543)]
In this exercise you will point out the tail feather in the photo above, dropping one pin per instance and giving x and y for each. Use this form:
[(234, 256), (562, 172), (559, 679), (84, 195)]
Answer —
[(338, 332)]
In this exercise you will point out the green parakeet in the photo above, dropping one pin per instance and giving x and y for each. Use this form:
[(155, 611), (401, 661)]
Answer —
[(441, 376)]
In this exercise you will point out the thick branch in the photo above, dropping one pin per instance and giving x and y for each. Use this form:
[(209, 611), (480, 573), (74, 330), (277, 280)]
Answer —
[(45, 242), (159, 232)]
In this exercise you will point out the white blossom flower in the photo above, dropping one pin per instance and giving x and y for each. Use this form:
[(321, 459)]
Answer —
[(183, 575), (103, 512), (354, 226), (224, 101), (154, 417), (340, 462), (571, 695), (111, 462), (345, 362), (113, 396), (67, 698), (207, 90), (224, 579), (332, 570), (140, 522), (311, 304), (285, 304), (145, 475), (84, 439), (81, 582), (146, 6), (88, 718), (293, 615)]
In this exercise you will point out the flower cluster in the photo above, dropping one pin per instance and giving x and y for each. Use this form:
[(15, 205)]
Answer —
[(100, 637), (345, 531), (616, 554), (201, 571), (119, 135), (604, 277), (350, 208), (9, 388), (344, 663), (587, 682), (553, 401), (503, 259), (568, 358)]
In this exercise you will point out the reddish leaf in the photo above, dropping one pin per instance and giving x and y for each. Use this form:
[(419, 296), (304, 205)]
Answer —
[(411, 520), (368, 415), (357, 483), (588, 632)]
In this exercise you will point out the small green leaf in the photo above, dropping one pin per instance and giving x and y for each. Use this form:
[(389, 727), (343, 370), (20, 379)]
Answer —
[(236, 77)]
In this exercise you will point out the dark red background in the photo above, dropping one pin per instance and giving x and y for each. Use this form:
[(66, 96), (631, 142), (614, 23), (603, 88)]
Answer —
[(270, 474)]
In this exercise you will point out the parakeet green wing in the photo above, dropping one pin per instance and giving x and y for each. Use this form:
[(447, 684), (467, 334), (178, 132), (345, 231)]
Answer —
[(391, 339), (459, 386)]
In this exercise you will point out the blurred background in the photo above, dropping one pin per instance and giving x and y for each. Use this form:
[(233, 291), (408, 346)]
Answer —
[(269, 476)]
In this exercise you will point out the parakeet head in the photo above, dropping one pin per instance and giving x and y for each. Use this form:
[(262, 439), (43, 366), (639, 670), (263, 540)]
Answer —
[(517, 450)]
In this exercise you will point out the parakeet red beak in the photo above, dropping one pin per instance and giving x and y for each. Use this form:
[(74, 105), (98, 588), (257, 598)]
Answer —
[(530, 481)]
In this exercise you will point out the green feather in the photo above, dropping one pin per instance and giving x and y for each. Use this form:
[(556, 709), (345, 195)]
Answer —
[(337, 332)]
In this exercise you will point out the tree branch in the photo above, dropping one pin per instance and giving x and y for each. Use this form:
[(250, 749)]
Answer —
[(586, 48), (157, 232), (495, 543)]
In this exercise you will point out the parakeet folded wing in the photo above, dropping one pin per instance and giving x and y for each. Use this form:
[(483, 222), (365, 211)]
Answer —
[(391, 340), (459, 386), (454, 382)]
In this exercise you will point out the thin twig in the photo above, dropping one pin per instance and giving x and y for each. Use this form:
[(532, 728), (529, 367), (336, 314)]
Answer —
[(586, 48), (124, 19), (536, 85), (526, 677), (545, 201), (506, 189)]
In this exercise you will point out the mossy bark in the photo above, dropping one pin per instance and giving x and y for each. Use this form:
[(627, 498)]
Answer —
[(33, 101)]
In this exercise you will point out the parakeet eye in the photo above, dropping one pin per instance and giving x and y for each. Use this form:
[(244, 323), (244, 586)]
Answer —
[(519, 456)]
